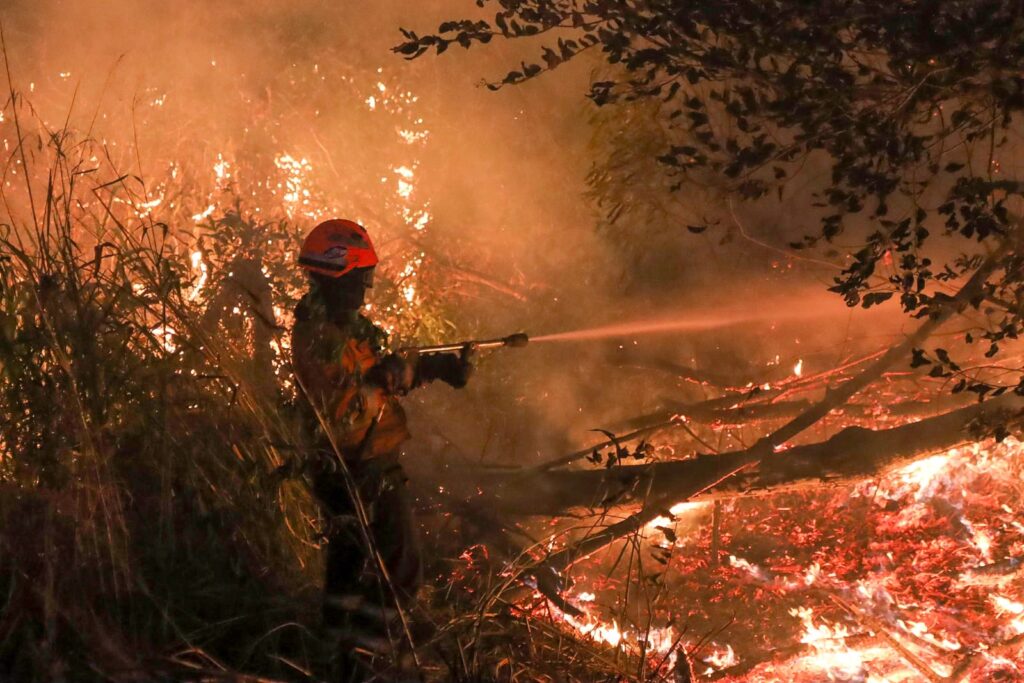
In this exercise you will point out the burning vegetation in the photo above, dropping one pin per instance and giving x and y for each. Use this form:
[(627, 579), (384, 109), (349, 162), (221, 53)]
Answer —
[(703, 467)]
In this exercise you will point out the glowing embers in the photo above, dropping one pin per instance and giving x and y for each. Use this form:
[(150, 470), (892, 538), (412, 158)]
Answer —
[(914, 575)]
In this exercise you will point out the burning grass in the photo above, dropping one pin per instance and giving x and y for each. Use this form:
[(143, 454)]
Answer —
[(140, 521)]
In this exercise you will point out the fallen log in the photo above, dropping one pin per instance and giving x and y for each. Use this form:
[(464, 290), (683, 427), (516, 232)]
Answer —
[(853, 453)]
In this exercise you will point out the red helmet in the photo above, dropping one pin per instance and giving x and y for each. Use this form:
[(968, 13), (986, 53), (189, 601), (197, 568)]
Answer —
[(336, 247)]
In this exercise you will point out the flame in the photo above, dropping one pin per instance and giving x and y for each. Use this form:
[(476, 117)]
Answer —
[(405, 181), (409, 292), (145, 208), (816, 634), (221, 172), (417, 219), (204, 214), (920, 479), (200, 266), (596, 630), (165, 335), (676, 510), (798, 369), (980, 539), (656, 641), (750, 568), (1006, 606), (412, 136), (608, 634), (831, 653), (720, 658), (921, 631)]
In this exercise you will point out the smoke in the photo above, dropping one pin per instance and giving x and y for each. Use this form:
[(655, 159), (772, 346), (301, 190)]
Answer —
[(488, 187)]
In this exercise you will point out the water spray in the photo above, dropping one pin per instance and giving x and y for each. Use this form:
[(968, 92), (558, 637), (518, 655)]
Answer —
[(692, 323), (696, 322), (658, 326)]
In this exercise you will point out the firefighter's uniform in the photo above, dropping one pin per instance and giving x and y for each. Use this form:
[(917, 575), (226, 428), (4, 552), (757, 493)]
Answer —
[(350, 387), (335, 362)]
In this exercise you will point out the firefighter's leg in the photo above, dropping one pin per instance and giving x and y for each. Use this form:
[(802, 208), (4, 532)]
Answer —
[(345, 554), (354, 618), (343, 574), (398, 534), (397, 539)]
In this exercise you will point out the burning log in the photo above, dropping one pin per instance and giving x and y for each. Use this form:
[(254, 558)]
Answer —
[(851, 454)]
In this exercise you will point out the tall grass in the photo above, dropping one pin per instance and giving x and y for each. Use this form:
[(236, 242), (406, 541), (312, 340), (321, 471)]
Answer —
[(144, 421)]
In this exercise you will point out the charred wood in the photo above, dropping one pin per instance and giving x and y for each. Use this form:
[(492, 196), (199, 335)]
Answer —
[(853, 453)]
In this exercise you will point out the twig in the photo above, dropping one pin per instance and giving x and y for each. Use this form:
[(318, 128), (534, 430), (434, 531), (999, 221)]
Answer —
[(584, 452)]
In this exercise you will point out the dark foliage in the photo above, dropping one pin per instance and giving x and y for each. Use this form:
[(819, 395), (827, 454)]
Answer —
[(906, 104)]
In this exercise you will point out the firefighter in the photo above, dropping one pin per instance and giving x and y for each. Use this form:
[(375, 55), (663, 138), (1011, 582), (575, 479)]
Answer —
[(356, 425)]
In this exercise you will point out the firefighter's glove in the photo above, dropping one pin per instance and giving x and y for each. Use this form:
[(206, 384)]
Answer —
[(394, 374), (451, 368)]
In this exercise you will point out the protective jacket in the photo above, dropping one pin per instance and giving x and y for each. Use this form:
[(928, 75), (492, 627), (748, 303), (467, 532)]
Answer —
[(337, 360)]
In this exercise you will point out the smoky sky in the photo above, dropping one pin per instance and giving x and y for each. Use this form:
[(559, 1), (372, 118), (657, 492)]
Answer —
[(502, 172)]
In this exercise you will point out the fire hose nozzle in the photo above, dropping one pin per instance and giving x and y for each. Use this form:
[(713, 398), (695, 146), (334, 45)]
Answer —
[(516, 340)]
